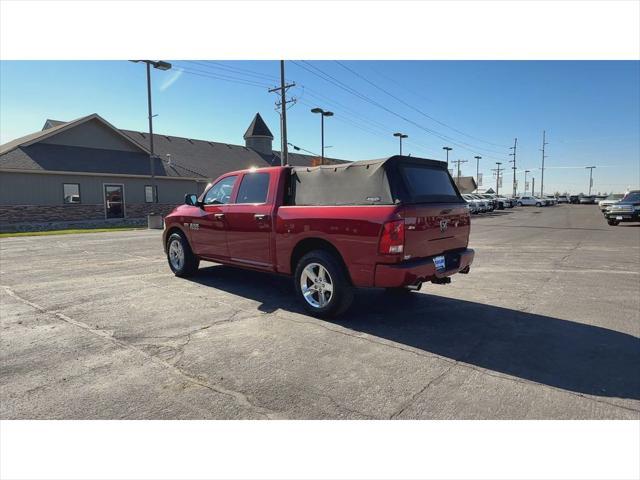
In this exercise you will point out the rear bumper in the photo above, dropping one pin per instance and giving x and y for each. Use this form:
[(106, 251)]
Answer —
[(423, 270)]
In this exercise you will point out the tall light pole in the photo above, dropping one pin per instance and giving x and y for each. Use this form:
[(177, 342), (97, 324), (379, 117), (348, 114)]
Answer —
[(322, 115), (525, 182), (590, 178), (447, 149), (477, 157), (533, 186), (498, 177), (400, 137), (160, 65)]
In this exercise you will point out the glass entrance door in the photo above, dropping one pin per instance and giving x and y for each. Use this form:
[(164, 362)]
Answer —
[(114, 201)]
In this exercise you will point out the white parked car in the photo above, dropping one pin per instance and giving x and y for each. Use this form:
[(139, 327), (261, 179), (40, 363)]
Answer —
[(529, 201), (552, 199), (471, 203), (563, 199), (610, 200)]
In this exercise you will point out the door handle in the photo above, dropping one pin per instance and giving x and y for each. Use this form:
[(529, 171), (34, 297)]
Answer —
[(260, 216), (219, 216)]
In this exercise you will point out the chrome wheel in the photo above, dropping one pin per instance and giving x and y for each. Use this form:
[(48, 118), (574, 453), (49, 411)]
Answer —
[(176, 254), (316, 285)]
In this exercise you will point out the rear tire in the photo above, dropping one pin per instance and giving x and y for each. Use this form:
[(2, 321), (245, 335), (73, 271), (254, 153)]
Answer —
[(182, 261), (613, 223), (519, 204), (538, 204), (327, 289)]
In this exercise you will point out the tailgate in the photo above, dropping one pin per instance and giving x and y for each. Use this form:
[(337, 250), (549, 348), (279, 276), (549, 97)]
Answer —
[(431, 229)]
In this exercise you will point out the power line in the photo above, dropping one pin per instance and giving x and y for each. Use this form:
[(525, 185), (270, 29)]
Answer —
[(235, 70), (330, 79), (213, 76), (414, 108)]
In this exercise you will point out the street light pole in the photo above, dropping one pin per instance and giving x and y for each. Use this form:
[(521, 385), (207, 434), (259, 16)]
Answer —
[(322, 115), (400, 137), (590, 178), (160, 65), (525, 182), (447, 149), (477, 157)]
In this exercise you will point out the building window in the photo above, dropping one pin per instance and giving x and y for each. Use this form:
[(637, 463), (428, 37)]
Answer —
[(148, 194), (71, 192)]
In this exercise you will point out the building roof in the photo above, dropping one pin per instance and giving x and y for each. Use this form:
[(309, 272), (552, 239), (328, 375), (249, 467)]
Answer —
[(258, 128), (465, 184), (176, 156)]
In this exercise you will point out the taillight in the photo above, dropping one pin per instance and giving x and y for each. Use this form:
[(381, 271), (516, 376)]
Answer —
[(392, 238)]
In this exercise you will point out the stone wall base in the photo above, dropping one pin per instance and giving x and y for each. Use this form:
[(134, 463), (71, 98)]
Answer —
[(29, 218)]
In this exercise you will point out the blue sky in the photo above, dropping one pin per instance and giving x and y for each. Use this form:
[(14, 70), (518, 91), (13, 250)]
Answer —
[(590, 110)]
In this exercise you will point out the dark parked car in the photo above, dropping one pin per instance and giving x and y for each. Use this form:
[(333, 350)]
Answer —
[(626, 210), (574, 199)]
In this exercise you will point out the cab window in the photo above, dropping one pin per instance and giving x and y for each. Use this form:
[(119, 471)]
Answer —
[(253, 188), (220, 192)]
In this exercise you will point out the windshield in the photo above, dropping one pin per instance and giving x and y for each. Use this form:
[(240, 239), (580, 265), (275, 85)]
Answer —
[(615, 196), (632, 197)]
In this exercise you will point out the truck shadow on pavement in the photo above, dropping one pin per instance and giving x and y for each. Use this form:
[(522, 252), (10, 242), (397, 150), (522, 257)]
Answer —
[(560, 353)]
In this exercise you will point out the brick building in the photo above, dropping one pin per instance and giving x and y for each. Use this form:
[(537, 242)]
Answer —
[(87, 171)]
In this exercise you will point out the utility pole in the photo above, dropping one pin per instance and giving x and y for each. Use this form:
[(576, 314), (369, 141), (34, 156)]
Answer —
[(497, 170), (477, 157), (514, 148), (525, 182), (447, 149), (590, 178), (284, 153), (459, 162), (543, 157), (533, 186)]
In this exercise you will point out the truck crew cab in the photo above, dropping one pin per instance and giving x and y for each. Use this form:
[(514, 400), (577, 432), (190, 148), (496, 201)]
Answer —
[(392, 223)]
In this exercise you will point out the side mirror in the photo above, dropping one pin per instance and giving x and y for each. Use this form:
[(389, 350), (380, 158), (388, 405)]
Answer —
[(191, 199)]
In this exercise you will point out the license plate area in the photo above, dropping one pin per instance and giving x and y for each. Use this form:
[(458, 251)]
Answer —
[(619, 217), (440, 263)]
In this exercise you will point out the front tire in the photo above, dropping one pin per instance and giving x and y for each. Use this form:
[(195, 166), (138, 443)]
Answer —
[(538, 204), (322, 284), (519, 204), (613, 223), (182, 261)]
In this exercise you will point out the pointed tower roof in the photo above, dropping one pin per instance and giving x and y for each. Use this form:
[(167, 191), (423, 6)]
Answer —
[(258, 128)]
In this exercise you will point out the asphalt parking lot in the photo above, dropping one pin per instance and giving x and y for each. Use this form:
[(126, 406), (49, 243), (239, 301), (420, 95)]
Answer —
[(546, 326)]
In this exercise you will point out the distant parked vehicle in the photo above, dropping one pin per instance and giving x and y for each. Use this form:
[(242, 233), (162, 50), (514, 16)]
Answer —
[(587, 200), (488, 199), (485, 205), (552, 199), (563, 199), (610, 200), (529, 201), (574, 199), (472, 203), (626, 210)]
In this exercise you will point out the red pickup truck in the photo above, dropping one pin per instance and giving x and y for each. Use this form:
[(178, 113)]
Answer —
[(393, 223)]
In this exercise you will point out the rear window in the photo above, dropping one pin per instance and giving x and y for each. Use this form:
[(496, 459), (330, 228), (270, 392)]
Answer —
[(428, 184), (254, 188)]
